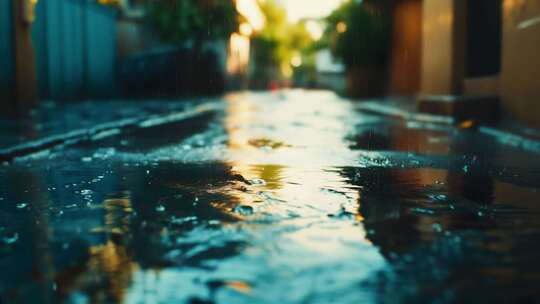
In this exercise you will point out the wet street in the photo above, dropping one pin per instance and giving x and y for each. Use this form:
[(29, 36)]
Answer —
[(288, 197)]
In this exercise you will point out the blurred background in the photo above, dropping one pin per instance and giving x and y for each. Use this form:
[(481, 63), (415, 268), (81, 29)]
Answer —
[(67, 50)]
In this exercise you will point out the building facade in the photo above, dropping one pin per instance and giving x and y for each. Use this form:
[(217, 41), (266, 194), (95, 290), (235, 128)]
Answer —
[(470, 48)]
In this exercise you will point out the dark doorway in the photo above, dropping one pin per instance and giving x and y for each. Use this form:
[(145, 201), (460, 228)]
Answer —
[(484, 28)]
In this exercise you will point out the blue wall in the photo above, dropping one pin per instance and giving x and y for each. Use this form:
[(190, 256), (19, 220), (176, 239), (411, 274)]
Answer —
[(75, 42), (101, 39), (7, 59)]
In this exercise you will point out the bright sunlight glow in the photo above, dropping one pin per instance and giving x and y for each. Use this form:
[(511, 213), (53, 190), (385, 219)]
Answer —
[(300, 9)]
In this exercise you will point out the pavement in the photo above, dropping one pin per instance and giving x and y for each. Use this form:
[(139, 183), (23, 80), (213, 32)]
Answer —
[(292, 196)]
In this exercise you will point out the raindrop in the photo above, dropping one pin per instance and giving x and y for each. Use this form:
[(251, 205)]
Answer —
[(243, 210), (293, 214), (160, 208), (21, 205), (480, 213), (183, 220), (12, 239), (440, 197), (104, 153), (257, 182), (86, 159), (437, 227), (466, 168), (239, 177), (423, 211), (86, 192), (344, 215)]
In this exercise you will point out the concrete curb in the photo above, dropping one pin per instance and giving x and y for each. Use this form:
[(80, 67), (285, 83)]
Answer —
[(103, 131), (501, 136)]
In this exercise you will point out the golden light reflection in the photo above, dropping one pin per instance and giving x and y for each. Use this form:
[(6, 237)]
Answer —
[(114, 267), (294, 181), (239, 286), (111, 263)]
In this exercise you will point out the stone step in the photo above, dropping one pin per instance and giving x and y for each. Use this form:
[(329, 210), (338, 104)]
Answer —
[(461, 107)]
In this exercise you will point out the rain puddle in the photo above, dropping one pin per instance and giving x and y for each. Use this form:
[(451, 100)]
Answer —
[(292, 197)]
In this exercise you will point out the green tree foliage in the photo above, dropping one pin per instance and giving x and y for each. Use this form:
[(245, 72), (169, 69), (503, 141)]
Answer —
[(358, 33), (276, 44), (269, 44), (195, 21)]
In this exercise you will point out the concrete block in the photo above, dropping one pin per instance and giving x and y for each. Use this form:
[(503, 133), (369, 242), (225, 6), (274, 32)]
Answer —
[(485, 108)]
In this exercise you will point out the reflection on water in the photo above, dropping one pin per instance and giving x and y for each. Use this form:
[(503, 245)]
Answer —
[(275, 199), (111, 266), (293, 189)]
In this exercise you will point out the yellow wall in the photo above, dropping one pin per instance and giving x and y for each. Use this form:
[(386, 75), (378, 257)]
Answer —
[(520, 74), (406, 48), (442, 59), (443, 56)]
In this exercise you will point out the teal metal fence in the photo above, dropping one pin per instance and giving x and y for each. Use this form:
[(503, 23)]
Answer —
[(75, 47), (75, 42), (6, 51)]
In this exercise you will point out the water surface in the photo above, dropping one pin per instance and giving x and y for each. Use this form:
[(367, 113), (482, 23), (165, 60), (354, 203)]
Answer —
[(292, 197)]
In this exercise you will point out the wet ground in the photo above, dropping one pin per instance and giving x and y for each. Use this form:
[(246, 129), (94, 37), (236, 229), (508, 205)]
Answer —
[(289, 197)]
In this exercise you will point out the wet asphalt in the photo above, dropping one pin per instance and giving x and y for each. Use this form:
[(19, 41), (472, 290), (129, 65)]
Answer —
[(286, 197)]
